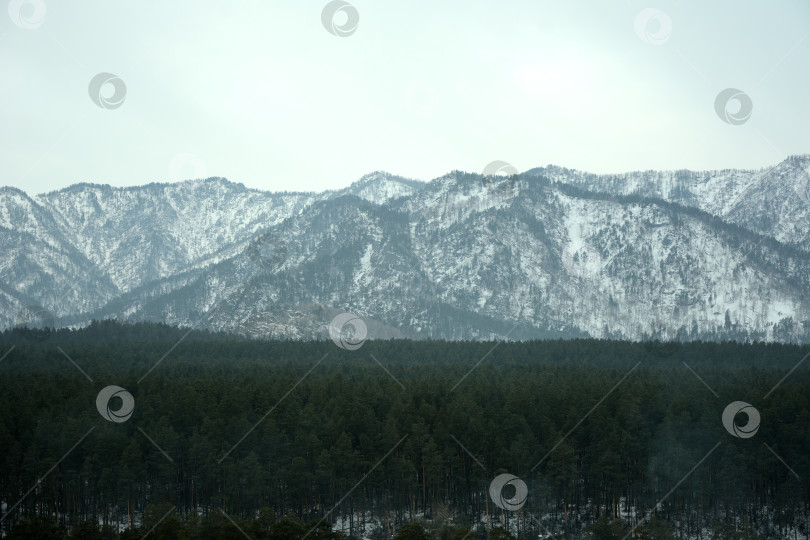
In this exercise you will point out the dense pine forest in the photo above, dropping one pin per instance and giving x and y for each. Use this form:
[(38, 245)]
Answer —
[(233, 438)]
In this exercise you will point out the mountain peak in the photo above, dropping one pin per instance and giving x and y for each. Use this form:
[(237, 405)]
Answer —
[(379, 187), (374, 176)]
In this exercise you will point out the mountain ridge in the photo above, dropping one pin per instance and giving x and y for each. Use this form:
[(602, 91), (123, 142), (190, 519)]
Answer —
[(464, 256)]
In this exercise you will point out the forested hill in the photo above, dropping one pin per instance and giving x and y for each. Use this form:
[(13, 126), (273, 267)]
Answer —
[(398, 431)]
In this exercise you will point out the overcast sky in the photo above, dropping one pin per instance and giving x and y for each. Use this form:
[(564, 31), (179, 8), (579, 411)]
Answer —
[(264, 94)]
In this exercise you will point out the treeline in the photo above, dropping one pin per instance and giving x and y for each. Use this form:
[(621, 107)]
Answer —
[(265, 526), (607, 435)]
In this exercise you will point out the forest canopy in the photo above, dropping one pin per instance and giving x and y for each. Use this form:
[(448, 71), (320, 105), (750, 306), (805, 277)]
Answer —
[(398, 437)]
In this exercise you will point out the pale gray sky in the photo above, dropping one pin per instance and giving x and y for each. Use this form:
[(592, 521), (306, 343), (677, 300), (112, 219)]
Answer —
[(261, 93)]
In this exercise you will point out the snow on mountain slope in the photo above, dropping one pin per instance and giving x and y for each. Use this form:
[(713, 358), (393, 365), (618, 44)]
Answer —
[(461, 257), (380, 187), (151, 232), (39, 264), (469, 258), (774, 201)]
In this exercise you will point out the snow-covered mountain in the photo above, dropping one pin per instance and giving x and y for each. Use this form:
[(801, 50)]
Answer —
[(380, 187), (548, 253), (774, 201)]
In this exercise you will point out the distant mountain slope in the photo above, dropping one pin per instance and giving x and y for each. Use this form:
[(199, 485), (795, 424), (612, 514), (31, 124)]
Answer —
[(146, 233), (380, 187), (774, 201), (41, 266), (550, 253)]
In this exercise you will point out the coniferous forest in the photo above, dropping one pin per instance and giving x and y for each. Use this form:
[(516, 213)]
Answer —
[(233, 438)]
